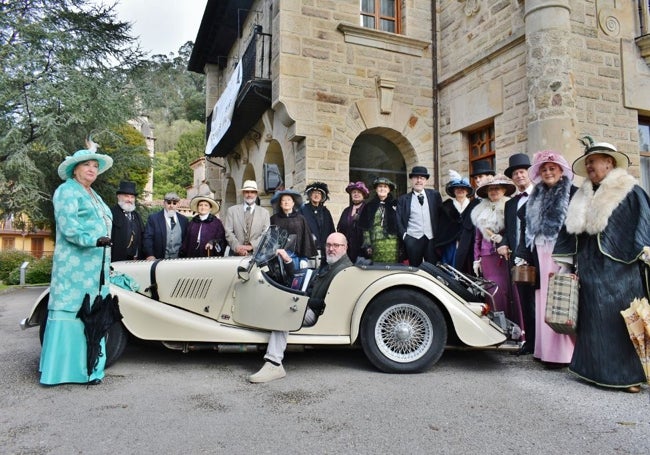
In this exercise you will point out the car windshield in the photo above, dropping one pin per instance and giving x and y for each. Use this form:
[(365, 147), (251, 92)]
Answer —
[(273, 238)]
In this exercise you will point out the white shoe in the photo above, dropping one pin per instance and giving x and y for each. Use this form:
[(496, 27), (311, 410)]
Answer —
[(268, 372)]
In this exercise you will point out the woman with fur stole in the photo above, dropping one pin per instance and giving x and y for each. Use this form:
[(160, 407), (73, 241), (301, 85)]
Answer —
[(489, 219), (610, 217), (542, 226)]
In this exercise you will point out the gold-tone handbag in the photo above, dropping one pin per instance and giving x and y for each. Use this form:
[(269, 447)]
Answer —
[(562, 303)]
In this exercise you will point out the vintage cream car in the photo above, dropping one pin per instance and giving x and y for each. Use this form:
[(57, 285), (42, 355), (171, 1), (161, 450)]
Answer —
[(402, 317)]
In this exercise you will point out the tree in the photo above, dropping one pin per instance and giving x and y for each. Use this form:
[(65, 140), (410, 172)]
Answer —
[(62, 75), (171, 169)]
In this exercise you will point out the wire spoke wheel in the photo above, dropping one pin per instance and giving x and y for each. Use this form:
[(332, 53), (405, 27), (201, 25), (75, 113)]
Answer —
[(403, 333)]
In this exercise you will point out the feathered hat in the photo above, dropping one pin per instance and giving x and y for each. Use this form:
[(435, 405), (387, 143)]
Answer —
[(456, 181)]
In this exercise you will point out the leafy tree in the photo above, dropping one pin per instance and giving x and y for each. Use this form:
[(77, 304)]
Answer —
[(62, 75), (171, 169)]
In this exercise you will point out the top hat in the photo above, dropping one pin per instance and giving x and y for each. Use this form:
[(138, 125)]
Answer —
[(419, 171), (127, 188), (517, 161), (481, 167), (604, 148)]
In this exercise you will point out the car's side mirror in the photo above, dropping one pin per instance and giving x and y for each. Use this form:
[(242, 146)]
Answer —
[(243, 273)]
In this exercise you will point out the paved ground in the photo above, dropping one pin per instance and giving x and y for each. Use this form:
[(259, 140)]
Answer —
[(332, 401)]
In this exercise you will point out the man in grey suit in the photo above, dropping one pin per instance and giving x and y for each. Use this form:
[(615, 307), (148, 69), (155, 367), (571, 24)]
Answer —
[(246, 222)]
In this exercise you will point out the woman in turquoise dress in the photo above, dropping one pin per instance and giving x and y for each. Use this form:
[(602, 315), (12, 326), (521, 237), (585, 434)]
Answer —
[(83, 226)]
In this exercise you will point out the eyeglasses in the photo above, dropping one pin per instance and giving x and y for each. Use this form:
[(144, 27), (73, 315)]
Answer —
[(172, 202), (334, 245)]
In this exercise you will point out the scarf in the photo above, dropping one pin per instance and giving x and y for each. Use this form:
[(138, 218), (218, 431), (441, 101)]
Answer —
[(590, 209), (546, 210), (490, 216)]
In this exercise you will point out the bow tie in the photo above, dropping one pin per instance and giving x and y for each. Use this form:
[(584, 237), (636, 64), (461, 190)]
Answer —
[(524, 194), (421, 198)]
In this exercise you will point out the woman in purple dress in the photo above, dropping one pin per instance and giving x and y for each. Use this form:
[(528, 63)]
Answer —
[(205, 235)]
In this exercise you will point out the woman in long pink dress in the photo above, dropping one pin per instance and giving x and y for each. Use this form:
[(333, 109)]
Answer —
[(542, 224)]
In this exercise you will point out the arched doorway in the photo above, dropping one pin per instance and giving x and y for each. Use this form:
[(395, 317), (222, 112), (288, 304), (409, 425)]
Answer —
[(375, 156)]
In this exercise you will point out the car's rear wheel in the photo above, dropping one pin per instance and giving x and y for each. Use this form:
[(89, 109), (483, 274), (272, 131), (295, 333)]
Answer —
[(116, 338), (403, 331)]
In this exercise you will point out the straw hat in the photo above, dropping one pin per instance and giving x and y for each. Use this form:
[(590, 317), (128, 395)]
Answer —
[(496, 180), (604, 148), (214, 205)]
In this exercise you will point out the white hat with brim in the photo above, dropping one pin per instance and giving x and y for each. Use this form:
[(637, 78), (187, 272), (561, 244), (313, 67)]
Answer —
[(496, 180), (548, 156), (66, 168), (600, 148), (249, 185), (214, 205)]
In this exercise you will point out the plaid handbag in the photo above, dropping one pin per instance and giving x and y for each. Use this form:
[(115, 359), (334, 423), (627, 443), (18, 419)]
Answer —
[(562, 303)]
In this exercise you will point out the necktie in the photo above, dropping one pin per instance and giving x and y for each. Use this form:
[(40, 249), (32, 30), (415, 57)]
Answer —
[(128, 216), (172, 222), (421, 199)]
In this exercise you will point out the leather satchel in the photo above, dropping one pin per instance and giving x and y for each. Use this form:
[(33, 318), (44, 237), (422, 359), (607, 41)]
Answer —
[(562, 303)]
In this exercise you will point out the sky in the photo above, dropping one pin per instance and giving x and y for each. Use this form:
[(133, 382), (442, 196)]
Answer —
[(162, 26)]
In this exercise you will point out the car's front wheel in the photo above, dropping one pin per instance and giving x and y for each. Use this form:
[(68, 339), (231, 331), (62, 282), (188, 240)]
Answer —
[(116, 338), (403, 332)]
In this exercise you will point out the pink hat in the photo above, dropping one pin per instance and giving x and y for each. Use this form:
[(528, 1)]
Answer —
[(548, 156)]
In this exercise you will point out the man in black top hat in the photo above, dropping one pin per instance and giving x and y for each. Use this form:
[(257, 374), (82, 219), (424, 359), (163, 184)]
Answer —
[(127, 225), (480, 170), (523, 294), (418, 213)]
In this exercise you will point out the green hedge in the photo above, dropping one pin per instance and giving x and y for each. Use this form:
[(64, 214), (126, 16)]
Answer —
[(38, 271)]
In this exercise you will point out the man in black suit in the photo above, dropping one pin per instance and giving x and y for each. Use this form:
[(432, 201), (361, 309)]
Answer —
[(523, 294), (418, 213), (164, 231), (127, 230)]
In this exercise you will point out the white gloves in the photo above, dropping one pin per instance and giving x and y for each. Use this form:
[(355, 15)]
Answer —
[(477, 267), (645, 257), (496, 238)]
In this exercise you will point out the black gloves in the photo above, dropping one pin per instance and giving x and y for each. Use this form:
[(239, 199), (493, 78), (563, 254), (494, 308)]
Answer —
[(104, 241)]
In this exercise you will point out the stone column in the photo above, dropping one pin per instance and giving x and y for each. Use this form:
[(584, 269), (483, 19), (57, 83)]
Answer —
[(551, 83)]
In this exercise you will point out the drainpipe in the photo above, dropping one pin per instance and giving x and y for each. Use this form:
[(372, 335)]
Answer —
[(434, 82)]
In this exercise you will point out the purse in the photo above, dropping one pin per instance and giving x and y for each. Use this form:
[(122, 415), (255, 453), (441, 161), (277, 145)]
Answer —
[(562, 303), (523, 274)]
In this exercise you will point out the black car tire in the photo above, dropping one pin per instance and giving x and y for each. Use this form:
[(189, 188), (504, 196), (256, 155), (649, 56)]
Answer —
[(403, 331), (116, 338)]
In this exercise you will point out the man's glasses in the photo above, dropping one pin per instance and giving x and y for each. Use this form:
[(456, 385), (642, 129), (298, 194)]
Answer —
[(172, 202), (334, 245)]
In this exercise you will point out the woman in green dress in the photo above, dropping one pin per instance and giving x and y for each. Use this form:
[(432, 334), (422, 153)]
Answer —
[(379, 224)]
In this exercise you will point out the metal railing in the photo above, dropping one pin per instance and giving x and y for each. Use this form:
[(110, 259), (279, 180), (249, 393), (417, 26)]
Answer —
[(256, 60)]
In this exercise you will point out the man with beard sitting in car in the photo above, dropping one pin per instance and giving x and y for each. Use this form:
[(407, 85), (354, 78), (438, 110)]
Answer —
[(336, 247)]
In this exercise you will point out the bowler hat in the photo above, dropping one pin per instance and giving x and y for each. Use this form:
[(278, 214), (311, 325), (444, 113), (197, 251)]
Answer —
[(419, 171), (127, 188), (517, 161), (481, 167)]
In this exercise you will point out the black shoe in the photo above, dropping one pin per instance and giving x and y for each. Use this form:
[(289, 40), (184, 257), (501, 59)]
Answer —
[(527, 349), (95, 382)]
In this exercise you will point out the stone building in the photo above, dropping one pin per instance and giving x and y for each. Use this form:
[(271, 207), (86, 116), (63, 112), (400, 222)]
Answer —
[(305, 90)]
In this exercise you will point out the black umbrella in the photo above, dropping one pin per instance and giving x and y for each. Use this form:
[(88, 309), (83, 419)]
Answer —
[(98, 318)]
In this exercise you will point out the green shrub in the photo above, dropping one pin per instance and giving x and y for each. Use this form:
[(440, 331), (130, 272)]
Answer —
[(38, 272), (11, 260)]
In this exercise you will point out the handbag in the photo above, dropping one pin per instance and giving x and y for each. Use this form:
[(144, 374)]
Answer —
[(562, 303), (523, 274)]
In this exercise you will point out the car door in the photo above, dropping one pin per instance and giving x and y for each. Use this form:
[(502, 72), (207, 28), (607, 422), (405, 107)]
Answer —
[(261, 304)]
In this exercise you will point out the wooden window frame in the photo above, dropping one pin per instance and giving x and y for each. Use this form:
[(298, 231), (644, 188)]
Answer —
[(378, 17), (476, 139)]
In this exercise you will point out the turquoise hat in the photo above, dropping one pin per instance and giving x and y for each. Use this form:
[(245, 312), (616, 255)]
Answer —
[(81, 156)]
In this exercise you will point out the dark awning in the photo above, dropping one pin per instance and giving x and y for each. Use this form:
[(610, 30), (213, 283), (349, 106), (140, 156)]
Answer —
[(253, 100), (220, 28)]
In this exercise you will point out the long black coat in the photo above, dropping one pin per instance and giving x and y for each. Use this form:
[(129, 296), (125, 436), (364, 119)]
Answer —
[(320, 222), (351, 229), (454, 226), (126, 235)]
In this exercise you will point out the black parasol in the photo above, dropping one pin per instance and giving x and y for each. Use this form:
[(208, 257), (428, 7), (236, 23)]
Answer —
[(98, 318)]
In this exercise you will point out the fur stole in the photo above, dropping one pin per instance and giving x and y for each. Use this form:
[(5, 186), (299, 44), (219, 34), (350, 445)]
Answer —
[(589, 210), (489, 215), (546, 210)]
